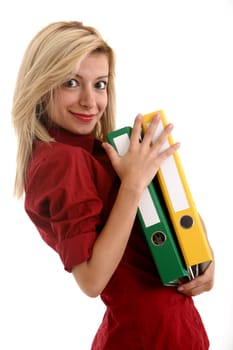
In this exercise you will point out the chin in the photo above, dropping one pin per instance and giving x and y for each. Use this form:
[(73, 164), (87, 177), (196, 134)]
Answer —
[(83, 131)]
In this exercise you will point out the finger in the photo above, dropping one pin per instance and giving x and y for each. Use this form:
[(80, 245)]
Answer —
[(194, 291), (164, 154), (195, 287), (160, 139), (136, 132), (151, 130), (111, 152)]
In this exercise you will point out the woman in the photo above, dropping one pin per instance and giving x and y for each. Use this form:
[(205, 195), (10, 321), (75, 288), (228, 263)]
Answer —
[(83, 197)]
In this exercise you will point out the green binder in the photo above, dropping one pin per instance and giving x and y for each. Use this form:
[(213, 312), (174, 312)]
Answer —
[(155, 224)]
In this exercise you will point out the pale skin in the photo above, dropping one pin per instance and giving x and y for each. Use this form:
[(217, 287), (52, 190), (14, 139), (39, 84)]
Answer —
[(78, 106)]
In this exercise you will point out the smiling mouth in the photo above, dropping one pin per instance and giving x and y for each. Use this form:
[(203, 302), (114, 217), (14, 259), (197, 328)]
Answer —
[(86, 118)]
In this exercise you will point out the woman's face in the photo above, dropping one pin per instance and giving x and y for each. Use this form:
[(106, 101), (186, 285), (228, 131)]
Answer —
[(80, 102)]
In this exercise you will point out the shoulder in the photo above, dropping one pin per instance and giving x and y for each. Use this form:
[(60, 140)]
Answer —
[(57, 155), (54, 150), (62, 163), (56, 160)]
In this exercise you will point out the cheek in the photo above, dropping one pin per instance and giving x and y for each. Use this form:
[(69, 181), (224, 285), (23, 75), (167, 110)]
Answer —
[(62, 102), (103, 103)]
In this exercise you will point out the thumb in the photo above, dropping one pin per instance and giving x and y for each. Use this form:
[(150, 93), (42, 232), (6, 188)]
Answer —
[(111, 152)]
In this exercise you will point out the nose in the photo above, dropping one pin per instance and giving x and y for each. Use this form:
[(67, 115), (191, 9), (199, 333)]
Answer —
[(87, 98)]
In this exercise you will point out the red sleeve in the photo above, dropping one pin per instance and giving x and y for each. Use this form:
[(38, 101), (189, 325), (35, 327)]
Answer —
[(61, 198)]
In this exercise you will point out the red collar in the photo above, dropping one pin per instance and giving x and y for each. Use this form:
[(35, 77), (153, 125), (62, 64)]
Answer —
[(64, 136)]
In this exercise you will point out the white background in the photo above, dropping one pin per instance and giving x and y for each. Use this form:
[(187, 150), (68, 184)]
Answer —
[(171, 55)]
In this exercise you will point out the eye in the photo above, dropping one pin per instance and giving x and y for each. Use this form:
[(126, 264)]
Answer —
[(71, 83), (101, 85)]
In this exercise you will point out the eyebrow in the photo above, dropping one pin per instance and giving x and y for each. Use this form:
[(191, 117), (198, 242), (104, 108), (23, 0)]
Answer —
[(97, 78)]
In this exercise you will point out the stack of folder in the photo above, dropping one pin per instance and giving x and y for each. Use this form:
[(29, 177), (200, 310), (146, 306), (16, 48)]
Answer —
[(167, 213)]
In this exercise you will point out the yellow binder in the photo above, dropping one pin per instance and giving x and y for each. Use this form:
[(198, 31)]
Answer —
[(180, 204)]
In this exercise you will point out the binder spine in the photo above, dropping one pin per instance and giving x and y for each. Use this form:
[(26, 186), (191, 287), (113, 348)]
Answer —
[(159, 236)]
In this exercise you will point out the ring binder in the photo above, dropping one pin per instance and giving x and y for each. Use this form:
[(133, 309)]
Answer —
[(180, 204)]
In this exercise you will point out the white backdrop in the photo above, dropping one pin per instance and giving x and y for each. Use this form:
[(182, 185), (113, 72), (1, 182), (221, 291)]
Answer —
[(171, 55)]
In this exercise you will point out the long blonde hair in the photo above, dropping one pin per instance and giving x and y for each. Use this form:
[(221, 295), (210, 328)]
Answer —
[(48, 61)]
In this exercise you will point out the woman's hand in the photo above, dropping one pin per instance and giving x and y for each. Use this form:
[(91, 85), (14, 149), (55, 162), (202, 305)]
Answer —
[(200, 284), (140, 164)]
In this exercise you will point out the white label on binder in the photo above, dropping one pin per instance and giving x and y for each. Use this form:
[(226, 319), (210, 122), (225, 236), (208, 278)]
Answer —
[(171, 177), (147, 209), (122, 143)]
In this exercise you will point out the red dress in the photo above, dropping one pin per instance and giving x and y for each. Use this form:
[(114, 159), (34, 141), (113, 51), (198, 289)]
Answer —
[(70, 189)]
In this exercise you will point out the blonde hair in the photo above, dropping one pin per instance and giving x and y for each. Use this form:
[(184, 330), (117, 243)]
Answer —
[(48, 62)]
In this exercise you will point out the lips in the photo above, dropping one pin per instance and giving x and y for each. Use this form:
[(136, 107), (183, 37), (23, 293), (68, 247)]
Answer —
[(85, 118)]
